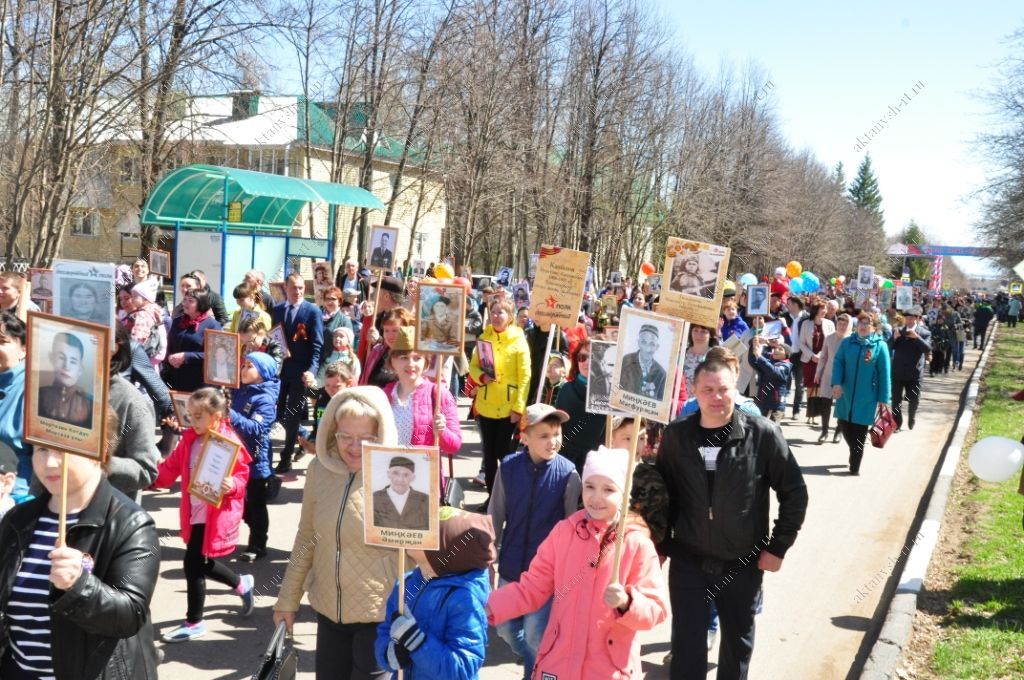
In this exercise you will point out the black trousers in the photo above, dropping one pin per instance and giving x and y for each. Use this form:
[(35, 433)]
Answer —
[(855, 436), (823, 407), (496, 442), (197, 569), (255, 513), (909, 389), (798, 385), (291, 408), (735, 593), (344, 651)]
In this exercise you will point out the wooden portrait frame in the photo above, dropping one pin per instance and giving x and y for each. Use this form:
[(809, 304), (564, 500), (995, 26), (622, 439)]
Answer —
[(427, 295), (161, 264), (277, 292), (669, 332), (89, 438), (765, 307), (278, 334), (678, 283), (376, 460), (204, 491), (179, 401), (211, 341), (34, 293), (597, 400), (376, 232)]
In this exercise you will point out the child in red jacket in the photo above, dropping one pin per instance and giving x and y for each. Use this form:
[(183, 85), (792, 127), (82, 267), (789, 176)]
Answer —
[(209, 531)]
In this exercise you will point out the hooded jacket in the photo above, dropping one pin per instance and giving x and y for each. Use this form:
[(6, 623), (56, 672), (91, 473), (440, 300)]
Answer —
[(423, 398), (346, 580), (861, 368), (253, 411), (507, 394), (221, 535), (585, 638)]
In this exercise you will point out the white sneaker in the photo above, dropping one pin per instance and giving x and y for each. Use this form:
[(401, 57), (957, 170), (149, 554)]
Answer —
[(480, 479)]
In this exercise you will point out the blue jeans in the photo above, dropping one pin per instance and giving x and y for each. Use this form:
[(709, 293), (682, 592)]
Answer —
[(524, 634)]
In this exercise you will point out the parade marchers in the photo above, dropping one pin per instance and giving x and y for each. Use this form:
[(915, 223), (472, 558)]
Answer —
[(554, 495)]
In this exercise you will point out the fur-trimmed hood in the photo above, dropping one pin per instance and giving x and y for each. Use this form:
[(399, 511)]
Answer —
[(375, 401)]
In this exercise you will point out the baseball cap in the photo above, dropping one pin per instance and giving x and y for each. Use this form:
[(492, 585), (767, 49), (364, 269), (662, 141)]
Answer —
[(8, 459), (536, 413)]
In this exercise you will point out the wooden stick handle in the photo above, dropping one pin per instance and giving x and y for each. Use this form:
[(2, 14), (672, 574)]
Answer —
[(552, 333), (400, 608), (62, 525), (624, 511), (608, 431)]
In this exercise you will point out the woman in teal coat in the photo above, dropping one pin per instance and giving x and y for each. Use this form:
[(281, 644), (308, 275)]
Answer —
[(860, 384)]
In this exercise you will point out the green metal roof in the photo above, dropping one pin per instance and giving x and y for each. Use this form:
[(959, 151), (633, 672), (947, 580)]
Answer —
[(193, 196)]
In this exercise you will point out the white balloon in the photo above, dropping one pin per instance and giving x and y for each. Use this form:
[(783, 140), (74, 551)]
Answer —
[(996, 459)]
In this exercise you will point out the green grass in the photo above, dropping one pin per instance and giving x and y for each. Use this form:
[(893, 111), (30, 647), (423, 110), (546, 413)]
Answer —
[(983, 630)]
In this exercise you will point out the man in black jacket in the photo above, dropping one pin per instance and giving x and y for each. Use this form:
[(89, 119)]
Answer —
[(910, 345), (719, 466)]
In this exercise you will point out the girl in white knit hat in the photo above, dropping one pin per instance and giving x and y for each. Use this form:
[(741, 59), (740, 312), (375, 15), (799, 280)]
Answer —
[(592, 632)]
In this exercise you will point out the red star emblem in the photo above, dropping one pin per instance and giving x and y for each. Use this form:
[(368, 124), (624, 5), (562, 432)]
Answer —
[(551, 301)]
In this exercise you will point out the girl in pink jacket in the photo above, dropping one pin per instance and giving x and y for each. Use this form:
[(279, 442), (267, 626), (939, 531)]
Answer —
[(413, 398), (208, 531), (594, 622)]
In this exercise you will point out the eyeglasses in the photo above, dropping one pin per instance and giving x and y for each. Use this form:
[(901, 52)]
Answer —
[(582, 357), (331, 299), (347, 440)]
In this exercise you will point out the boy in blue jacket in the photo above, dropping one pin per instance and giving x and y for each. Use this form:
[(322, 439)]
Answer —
[(534, 490), (773, 373), (253, 411), (442, 631)]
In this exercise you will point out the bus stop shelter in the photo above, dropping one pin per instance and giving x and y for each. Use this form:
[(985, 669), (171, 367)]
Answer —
[(227, 221)]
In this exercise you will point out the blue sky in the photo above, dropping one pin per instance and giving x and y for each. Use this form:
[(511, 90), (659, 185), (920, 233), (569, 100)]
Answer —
[(837, 67)]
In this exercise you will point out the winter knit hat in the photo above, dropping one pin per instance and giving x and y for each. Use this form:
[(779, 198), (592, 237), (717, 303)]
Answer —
[(265, 364), (146, 289), (347, 332), (467, 542), (610, 463)]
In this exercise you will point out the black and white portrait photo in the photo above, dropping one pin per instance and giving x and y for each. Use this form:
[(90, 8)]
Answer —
[(647, 351), (382, 243), (695, 273), (599, 384), (904, 297), (160, 262), (402, 487), (84, 291), (757, 300), (865, 277), (521, 295), (504, 277)]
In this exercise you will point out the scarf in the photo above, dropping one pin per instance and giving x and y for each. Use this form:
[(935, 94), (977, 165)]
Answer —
[(187, 324)]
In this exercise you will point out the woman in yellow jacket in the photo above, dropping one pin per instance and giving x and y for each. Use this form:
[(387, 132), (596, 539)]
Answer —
[(348, 582), (501, 399)]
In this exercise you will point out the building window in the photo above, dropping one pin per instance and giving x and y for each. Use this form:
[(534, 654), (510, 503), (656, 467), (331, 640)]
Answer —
[(129, 171), (85, 224)]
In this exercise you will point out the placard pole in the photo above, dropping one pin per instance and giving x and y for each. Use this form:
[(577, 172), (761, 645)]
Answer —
[(624, 510)]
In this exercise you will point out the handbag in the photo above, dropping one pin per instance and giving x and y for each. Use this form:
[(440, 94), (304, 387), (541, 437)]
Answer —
[(885, 425), (281, 661), (452, 495)]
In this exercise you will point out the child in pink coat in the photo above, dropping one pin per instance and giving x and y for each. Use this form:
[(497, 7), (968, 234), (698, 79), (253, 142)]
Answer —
[(592, 632), (209, 532)]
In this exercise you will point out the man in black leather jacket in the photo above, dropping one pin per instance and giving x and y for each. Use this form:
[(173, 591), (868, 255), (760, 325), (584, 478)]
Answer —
[(100, 625), (719, 466)]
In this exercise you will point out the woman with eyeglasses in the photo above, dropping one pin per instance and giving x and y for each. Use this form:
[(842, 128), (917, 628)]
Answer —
[(860, 384), (584, 431), (348, 581), (333, 316)]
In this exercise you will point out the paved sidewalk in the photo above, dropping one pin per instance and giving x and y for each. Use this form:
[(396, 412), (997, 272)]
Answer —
[(818, 608)]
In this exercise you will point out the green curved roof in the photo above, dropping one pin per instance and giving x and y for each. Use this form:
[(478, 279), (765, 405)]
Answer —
[(193, 196)]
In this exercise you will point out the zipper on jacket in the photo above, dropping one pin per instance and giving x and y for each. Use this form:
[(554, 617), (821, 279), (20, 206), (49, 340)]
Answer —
[(529, 516), (856, 373), (337, 529)]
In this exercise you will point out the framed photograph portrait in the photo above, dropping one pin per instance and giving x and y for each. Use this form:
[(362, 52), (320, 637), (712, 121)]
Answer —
[(904, 297), (84, 291), (401, 488), (504, 277), (772, 330), (758, 298), (222, 353), (654, 281), (440, 318), (611, 303), (278, 335), (42, 284), (160, 262), (277, 291), (885, 298), (865, 277), (485, 357), (693, 280), (179, 400), (67, 371), (521, 295), (648, 349), (603, 358), (323, 278), (419, 269), (383, 241), (615, 278), (215, 463)]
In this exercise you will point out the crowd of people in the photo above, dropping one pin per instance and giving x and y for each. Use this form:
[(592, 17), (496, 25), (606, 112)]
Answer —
[(554, 492)]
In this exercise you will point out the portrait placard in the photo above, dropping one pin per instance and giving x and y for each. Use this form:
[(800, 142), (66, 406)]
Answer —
[(1015, 287), (84, 291), (695, 273), (772, 330), (865, 277), (322, 280), (758, 300), (440, 319), (904, 298), (654, 281), (885, 298), (485, 357), (278, 292), (382, 248), (160, 262), (611, 303), (278, 335), (603, 359), (67, 371), (504, 277), (216, 463), (535, 258), (558, 288), (179, 400), (615, 278), (1018, 269), (419, 268), (740, 349), (861, 297), (401, 490), (521, 295), (42, 284), (648, 349), (222, 353)]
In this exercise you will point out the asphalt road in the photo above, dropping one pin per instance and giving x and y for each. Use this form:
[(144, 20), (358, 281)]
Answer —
[(818, 610)]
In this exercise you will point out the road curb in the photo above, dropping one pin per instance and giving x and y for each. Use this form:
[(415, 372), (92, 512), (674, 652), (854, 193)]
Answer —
[(888, 648)]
